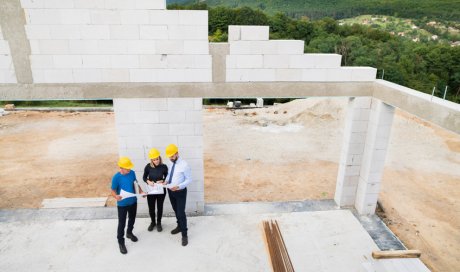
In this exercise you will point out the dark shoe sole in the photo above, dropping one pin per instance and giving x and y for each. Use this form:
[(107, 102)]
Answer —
[(184, 241), (151, 227), (159, 228), (175, 231)]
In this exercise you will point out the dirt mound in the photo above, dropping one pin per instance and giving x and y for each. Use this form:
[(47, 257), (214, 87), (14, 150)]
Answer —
[(305, 112)]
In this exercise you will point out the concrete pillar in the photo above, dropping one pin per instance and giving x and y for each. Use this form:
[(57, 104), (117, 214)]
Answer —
[(364, 146), (370, 175), (156, 122), (219, 52)]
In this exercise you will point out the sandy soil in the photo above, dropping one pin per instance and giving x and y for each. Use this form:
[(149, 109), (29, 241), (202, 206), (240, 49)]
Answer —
[(286, 152), (47, 155)]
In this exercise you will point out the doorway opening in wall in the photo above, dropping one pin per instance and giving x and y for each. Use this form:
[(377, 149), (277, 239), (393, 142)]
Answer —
[(286, 150), (68, 149)]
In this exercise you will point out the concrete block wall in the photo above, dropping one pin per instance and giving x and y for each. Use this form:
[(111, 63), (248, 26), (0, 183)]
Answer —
[(145, 123), (253, 57), (377, 139), (76, 41), (364, 147), (7, 74)]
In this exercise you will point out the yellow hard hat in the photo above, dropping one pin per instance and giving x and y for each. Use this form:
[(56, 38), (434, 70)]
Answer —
[(125, 162), (171, 150), (154, 153)]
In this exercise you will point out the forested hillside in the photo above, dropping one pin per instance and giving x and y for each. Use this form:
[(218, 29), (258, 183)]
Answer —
[(420, 66), (338, 9)]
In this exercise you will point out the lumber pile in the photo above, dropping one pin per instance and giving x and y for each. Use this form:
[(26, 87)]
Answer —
[(276, 247)]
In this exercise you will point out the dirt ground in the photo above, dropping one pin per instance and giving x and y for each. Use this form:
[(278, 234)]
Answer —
[(281, 153), (47, 155)]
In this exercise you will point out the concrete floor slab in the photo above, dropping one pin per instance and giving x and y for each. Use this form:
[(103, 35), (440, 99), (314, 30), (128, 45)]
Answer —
[(316, 241)]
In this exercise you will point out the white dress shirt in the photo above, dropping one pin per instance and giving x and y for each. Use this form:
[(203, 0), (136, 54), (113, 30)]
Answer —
[(181, 176)]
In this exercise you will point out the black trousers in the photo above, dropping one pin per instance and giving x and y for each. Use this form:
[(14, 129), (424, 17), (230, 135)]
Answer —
[(178, 199), (131, 212), (156, 199)]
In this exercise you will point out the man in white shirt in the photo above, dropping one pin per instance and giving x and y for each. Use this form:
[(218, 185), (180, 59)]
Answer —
[(178, 178)]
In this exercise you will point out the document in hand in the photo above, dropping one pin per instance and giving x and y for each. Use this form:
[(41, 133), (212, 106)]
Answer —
[(125, 194), (156, 189)]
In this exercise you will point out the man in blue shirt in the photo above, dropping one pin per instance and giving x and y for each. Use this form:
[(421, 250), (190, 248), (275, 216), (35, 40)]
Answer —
[(178, 179), (124, 180)]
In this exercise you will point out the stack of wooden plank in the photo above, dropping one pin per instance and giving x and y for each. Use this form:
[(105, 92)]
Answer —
[(276, 247)]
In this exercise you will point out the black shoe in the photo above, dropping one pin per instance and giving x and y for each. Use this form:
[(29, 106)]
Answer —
[(123, 249), (184, 241), (152, 225), (176, 230), (132, 237), (159, 228)]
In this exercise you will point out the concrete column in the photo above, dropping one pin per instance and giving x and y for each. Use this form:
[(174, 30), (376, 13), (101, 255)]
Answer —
[(366, 137), (370, 175), (12, 22), (352, 150), (156, 122), (219, 52)]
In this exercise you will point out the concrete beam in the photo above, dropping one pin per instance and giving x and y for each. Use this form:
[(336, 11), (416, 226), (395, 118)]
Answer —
[(441, 112), (12, 21), (170, 90)]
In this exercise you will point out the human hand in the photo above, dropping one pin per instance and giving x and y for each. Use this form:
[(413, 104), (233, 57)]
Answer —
[(150, 183), (118, 197), (175, 188)]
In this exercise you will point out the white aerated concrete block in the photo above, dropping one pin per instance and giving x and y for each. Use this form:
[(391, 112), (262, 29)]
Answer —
[(149, 104), (95, 32), (234, 33), (198, 75), (315, 61), (115, 75), (43, 16), (86, 47), (254, 33), (190, 141), (288, 75), (67, 61), (118, 4), (89, 4), (124, 32), (154, 32), (38, 32), (169, 47), (314, 75), (142, 75), (150, 4), (289, 47), (154, 130), (245, 61), (196, 47), (51, 47), (112, 47), (253, 47), (363, 74), (4, 48), (136, 17), (96, 61), (58, 76), (172, 117), (182, 129), (338, 75), (188, 32), (126, 104), (105, 17), (87, 75), (180, 104), (276, 61), (141, 47), (41, 62), (153, 61), (59, 4), (31, 4), (193, 17), (75, 16), (124, 61), (163, 17), (7, 76)]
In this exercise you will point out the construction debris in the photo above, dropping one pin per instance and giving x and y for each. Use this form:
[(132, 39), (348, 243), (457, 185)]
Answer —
[(396, 254), (276, 247), (9, 107)]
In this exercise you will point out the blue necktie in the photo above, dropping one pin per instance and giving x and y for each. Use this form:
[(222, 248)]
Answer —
[(172, 172)]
